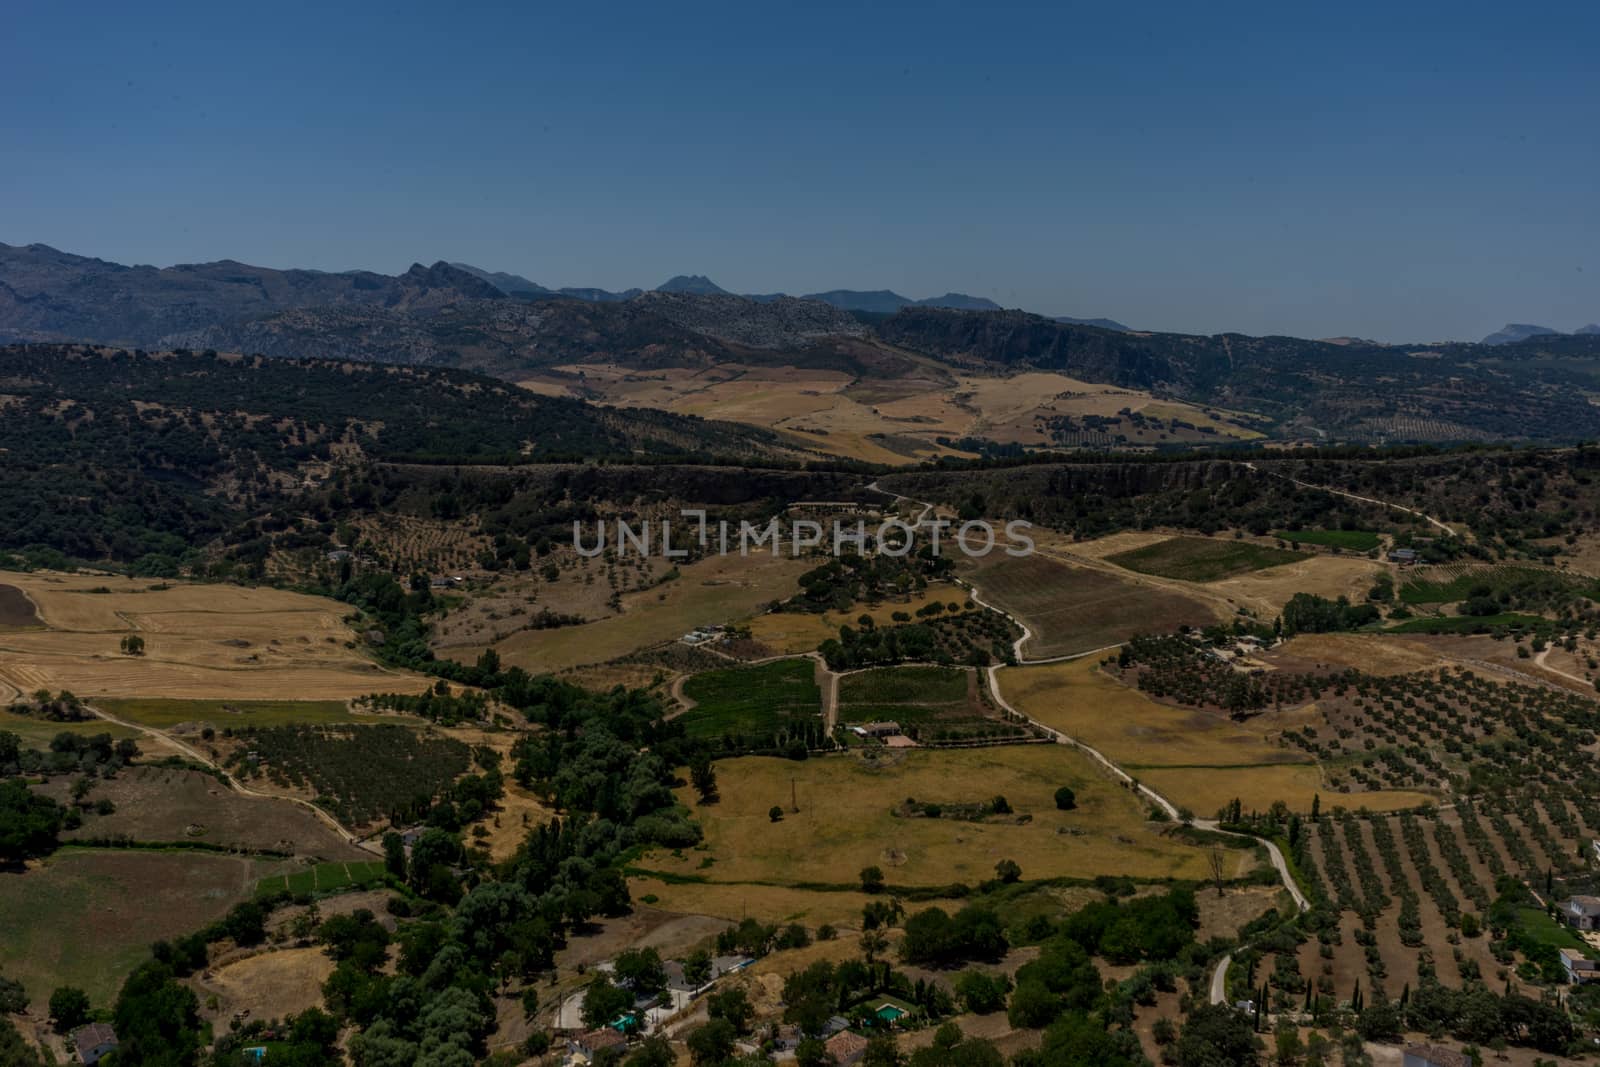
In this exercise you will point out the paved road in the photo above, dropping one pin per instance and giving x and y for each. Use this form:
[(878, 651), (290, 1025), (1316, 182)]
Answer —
[(1219, 980)]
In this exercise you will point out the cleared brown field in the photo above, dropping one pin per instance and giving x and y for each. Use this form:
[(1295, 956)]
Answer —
[(165, 804), (1191, 757), (201, 641), (87, 917), (1072, 609), (16, 610), (846, 822), (720, 589)]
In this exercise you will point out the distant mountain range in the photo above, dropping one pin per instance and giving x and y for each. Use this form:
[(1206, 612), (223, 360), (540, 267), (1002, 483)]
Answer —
[(871, 301), (1513, 332)]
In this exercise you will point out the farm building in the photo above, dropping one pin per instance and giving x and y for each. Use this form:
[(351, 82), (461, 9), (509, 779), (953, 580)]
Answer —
[(1403, 555), (876, 729), (1579, 967), (590, 1042), (1434, 1056), (94, 1042), (846, 1047), (1581, 913)]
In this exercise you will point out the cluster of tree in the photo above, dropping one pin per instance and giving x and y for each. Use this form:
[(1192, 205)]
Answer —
[(1307, 613), (852, 578), (29, 822), (935, 938), (973, 637), (437, 704)]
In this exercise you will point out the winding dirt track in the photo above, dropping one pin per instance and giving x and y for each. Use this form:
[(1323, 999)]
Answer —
[(1171, 809)]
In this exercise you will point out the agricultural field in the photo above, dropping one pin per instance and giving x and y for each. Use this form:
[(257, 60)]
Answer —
[(1191, 756), (330, 877), (361, 774), (16, 610), (721, 589), (219, 642), (848, 820), (784, 632), (1071, 609), (86, 917), (901, 420), (1344, 540), (174, 804), (165, 714), (753, 701), (1201, 559), (931, 704), (1498, 588)]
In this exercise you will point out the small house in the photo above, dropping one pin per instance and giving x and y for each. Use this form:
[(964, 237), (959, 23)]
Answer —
[(877, 729), (94, 1042), (1581, 913), (1579, 967), (1403, 556), (591, 1042)]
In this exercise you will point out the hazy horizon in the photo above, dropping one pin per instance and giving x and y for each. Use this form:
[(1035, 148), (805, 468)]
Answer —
[(1410, 175)]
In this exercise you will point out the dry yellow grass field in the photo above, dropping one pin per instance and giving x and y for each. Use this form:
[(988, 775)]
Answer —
[(1196, 759), (720, 589), (831, 412), (273, 985), (1324, 575), (846, 821), (201, 641)]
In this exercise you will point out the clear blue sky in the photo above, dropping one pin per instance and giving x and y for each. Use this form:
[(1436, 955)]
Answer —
[(1399, 171)]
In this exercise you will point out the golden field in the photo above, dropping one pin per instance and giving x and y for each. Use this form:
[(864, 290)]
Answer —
[(201, 642)]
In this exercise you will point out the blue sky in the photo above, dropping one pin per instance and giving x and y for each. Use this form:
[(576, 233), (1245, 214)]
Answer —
[(1405, 172)]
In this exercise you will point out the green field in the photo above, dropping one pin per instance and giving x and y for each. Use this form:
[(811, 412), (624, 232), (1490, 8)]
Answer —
[(1514, 586), (163, 714), (1347, 540), (905, 685), (1201, 559), (87, 917), (37, 733), (324, 878), (744, 701), (1466, 624)]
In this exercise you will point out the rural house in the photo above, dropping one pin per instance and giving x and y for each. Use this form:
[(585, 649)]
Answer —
[(590, 1042), (1434, 1056), (1403, 555), (1579, 968), (1581, 913), (876, 729), (94, 1042)]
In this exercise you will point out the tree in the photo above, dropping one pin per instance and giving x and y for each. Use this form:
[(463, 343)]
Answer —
[(69, 1009), (603, 1001), (1218, 864), (133, 645), (28, 823), (982, 992), (712, 1043), (704, 777), (1214, 1035), (394, 855), (1066, 799), (642, 971), (1008, 871), (733, 1005), (775, 813), (872, 880)]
